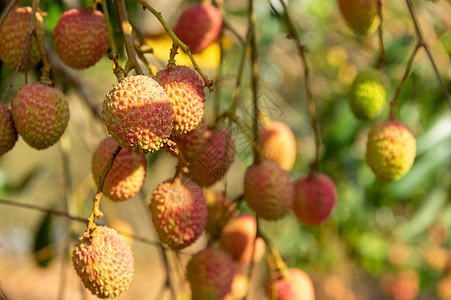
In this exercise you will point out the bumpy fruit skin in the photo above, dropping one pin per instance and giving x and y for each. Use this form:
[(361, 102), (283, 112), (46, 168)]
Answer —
[(391, 150), (8, 133), (40, 114), (81, 38), (314, 199), (295, 285), (179, 212), (268, 190), (367, 96), (361, 15), (13, 37), (199, 26), (210, 273), (278, 144), (220, 210), (104, 262), (126, 176), (186, 93), (138, 115)]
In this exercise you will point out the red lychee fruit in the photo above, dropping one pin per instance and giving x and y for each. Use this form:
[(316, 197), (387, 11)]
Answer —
[(40, 114), (104, 262), (179, 212), (13, 37), (210, 273), (186, 93), (81, 38), (315, 197), (278, 144), (296, 284), (126, 176), (8, 133), (268, 190), (361, 15), (220, 210), (199, 26), (138, 115), (191, 143)]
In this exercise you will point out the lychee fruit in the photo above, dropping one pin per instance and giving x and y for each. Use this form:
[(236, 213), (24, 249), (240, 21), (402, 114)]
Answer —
[(186, 93), (81, 38), (8, 133), (179, 212), (210, 273), (40, 114), (126, 176), (104, 262), (220, 210), (361, 15), (199, 26), (315, 197), (268, 190), (294, 284), (391, 150), (13, 34), (278, 144), (137, 114), (190, 144)]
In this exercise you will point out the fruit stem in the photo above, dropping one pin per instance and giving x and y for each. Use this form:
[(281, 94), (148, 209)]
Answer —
[(10, 4), (117, 69), (380, 33), (275, 261), (172, 54), (109, 27)]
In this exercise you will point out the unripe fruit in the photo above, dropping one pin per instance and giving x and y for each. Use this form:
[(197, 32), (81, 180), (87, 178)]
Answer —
[(40, 114), (186, 93), (315, 197), (391, 150), (104, 262), (268, 190), (179, 212), (296, 284), (361, 15), (126, 176), (199, 26), (8, 133), (13, 37), (138, 115), (367, 96), (81, 38), (220, 210), (278, 144), (210, 273)]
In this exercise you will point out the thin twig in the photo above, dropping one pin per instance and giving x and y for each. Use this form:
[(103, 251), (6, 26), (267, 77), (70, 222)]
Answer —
[(109, 27), (380, 32)]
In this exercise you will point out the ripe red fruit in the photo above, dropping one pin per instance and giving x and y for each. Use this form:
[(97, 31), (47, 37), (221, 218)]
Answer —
[(296, 284), (314, 199), (8, 133), (199, 26)]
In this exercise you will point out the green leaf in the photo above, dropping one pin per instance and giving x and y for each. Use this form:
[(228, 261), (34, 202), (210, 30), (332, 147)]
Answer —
[(44, 242)]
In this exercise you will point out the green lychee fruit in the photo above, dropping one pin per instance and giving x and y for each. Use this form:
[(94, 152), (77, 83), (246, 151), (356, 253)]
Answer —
[(8, 133), (367, 96), (137, 114), (315, 197), (278, 144), (104, 262), (361, 15), (186, 93), (179, 212), (210, 273), (220, 210), (268, 190), (391, 150), (199, 26), (40, 114), (13, 37), (294, 284), (126, 176), (81, 38)]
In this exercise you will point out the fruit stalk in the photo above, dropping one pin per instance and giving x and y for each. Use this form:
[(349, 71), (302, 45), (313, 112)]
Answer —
[(109, 27), (380, 34), (10, 4)]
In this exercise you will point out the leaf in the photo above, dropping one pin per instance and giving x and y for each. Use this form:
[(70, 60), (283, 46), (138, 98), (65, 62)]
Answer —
[(44, 242)]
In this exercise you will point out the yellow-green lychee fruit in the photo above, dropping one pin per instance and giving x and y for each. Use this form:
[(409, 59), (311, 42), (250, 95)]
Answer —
[(210, 273), (186, 93), (278, 144), (137, 114), (268, 190), (8, 133), (40, 114), (126, 176), (104, 262), (81, 37), (179, 212), (220, 210), (294, 284), (13, 37), (368, 96), (391, 150), (361, 15)]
